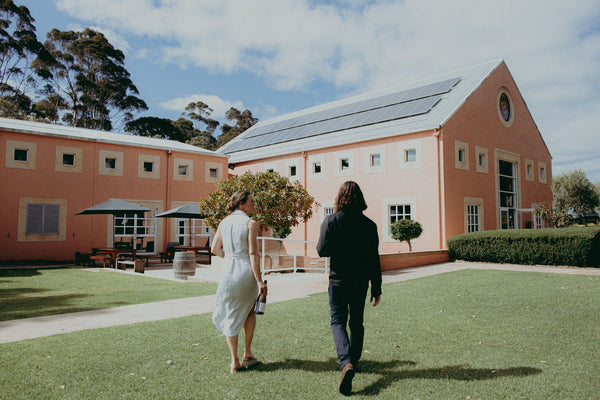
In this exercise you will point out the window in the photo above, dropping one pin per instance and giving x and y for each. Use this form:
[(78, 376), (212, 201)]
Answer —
[(193, 232), (410, 155), (461, 154), (68, 159), (270, 170), (375, 160), (292, 170), (317, 167), (148, 166), (213, 172), (344, 164), (482, 159), (328, 211), (472, 218), (537, 221), (399, 211), (182, 170), (42, 219), (110, 163), (142, 227), (21, 155)]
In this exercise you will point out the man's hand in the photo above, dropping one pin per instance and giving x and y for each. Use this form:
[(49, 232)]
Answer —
[(377, 300)]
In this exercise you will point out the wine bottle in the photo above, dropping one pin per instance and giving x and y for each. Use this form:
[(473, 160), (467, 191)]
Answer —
[(261, 300)]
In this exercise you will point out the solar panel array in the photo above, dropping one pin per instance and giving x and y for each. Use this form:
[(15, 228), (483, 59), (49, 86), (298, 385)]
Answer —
[(407, 103)]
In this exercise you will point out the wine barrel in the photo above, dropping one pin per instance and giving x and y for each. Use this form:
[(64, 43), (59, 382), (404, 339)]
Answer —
[(184, 264)]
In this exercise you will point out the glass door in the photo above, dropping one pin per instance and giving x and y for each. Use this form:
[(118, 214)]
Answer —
[(507, 179)]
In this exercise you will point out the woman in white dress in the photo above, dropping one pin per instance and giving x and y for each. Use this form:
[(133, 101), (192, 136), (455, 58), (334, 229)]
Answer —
[(241, 281)]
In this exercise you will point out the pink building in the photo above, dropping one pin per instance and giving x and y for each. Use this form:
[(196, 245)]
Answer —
[(458, 153), (51, 172)]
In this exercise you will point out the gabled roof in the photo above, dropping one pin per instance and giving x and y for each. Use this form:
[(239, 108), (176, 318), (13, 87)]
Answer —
[(418, 106), (43, 129)]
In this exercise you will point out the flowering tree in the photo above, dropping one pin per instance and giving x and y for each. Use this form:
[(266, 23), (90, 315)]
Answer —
[(280, 204)]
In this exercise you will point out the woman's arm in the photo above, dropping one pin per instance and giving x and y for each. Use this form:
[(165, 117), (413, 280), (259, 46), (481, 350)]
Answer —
[(217, 245), (254, 256)]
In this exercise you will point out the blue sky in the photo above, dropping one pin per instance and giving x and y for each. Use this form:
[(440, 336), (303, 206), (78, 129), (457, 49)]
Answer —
[(278, 56)]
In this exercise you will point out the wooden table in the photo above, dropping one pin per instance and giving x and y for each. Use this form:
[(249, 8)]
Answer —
[(115, 252)]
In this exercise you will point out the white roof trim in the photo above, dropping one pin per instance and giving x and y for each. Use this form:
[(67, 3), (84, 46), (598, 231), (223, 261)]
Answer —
[(91, 135)]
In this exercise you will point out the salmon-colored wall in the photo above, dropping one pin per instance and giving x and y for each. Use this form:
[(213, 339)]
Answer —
[(478, 124), (88, 187)]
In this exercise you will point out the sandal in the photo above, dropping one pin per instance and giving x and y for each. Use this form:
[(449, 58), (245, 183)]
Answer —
[(233, 369), (250, 361)]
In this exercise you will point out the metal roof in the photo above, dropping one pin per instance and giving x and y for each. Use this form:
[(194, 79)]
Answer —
[(418, 106), (44, 129)]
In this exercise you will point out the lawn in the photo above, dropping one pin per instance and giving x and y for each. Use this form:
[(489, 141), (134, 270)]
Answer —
[(470, 334), (26, 293)]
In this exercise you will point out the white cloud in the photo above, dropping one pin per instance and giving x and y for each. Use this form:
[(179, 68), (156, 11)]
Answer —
[(552, 47), (219, 106)]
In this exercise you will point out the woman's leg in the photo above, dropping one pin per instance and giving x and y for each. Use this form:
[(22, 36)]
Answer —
[(249, 326), (232, 342)]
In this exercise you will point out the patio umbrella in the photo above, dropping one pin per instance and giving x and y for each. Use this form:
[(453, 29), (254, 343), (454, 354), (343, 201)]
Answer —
[(114, 207), (189, 211)]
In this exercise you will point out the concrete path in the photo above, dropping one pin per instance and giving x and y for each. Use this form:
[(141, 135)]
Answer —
[(281, 287)]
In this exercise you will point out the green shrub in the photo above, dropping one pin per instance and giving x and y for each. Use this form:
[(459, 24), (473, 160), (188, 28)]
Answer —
[(576, 246)]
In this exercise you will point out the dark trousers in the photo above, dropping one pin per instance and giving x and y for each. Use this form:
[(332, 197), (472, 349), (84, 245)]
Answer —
[(347, 300)]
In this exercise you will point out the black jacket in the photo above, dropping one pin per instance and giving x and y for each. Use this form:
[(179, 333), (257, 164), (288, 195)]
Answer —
[(351, 241)]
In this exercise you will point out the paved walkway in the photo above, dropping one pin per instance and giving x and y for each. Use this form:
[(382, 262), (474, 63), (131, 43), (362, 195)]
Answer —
[(281, 287)]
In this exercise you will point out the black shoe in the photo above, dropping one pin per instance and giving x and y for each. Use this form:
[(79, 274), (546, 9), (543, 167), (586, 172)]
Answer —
[(346, 380)]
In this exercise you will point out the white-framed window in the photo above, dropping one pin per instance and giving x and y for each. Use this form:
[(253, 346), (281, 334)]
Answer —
[(316, 167), (193, 232), (482, 159), (68, 159), (410, 154), (345, 163), (461, 154), (19, 154), (374, 159), (473, 214), (43, 219), (293, 168), (292, 171), (148, 166), (542, 172), (213, 171), (326, 208), (328, 211), (110, 162), (142, 227), (395, 209)]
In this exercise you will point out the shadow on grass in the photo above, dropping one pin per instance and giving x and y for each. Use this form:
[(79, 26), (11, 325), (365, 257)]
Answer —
[(392, 371)]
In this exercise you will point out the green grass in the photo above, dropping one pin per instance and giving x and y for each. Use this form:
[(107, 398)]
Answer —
[(463, 335), (26, 293)]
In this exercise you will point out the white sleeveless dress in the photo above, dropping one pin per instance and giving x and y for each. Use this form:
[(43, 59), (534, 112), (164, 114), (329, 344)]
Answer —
[(237, 290)]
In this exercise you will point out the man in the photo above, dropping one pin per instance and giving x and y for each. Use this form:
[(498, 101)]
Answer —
[(351, 241)]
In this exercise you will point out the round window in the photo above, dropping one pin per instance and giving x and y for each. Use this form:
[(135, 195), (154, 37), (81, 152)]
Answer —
[(504, 107)]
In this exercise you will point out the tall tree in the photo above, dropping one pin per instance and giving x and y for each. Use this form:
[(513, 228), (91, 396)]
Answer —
[(154, 127), (243, 120), (89, 73), (18, 48), (574, 191)]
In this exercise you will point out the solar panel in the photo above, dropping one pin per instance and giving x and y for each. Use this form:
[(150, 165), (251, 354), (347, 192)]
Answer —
[(407, 103)]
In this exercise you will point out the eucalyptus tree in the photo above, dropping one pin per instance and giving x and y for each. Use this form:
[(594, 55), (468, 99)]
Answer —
[(243, 120), (88, 73)]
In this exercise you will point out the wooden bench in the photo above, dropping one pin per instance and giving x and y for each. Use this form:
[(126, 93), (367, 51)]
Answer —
[(105, 258), (138, 264)]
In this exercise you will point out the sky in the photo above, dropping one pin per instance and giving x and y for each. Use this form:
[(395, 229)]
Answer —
[(273, 57)]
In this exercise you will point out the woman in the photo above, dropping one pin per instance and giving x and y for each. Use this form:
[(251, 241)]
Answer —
[(241, 280), (351, 241)]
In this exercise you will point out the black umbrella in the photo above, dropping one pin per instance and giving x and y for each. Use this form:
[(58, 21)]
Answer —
[(189, 211), (114, 207)]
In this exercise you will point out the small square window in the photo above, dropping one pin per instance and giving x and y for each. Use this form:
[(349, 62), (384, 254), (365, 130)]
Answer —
[(21, 155), (375, 160), (344, 164), (110, 163), (317, 168), (148, 166), (182, 169), (328, 211), (213, 172), (410, 155), (68, 159), (292, 170)]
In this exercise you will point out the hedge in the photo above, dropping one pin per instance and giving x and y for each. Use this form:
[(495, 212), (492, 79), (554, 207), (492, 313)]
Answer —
[(575, 246)]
